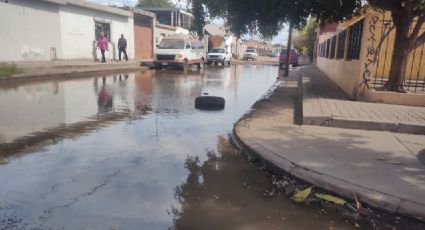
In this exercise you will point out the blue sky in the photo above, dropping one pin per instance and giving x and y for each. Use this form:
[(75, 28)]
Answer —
[(280, 38)]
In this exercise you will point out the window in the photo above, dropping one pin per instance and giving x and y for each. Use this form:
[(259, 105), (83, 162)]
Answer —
[(341, 44), (102, 27), (171, 44), (328, 48), (333, 47), (355, 40)]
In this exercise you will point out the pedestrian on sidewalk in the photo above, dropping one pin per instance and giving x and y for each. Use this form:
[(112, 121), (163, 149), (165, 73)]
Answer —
[(122, 47), (102, 44)]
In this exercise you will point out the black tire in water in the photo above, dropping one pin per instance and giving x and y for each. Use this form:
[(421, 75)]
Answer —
[(210, 103)]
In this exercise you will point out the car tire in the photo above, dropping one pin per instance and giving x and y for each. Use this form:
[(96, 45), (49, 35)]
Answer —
[(229, 62), (223, 63), (294, 64), (209, 103)]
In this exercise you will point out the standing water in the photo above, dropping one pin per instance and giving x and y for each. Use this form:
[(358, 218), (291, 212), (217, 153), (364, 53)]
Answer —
[(130, 151)]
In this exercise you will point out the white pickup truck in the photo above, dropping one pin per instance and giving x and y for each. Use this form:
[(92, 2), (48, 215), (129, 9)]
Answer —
[(219, 55)]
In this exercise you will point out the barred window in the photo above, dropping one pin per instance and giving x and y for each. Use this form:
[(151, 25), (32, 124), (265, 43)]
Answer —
[(328, 48), (341, 44), (356, 32), (333, 47), (319, 52)]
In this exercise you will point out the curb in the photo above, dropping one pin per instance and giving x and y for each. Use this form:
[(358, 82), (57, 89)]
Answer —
[(338, 186), (328, 120), (332, 183), (348, 123), (69, 74)]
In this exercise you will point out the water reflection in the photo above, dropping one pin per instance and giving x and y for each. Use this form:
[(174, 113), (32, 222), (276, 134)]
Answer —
[(117, 164), (224, 192), (104, 97)]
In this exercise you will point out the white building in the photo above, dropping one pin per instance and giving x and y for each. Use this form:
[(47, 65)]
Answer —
[(229, 41), (60, 29)]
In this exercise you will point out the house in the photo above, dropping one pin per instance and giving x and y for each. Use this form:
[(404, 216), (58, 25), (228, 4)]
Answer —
[(144, 33), (218, 36), (170, 21), (175, 17), (261, 46), (357, 56), (61, 29)]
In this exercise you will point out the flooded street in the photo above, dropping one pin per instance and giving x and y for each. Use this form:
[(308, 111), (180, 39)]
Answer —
[(130, 151)]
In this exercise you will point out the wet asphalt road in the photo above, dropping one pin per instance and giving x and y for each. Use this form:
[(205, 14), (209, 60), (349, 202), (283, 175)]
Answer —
[(130, 151)]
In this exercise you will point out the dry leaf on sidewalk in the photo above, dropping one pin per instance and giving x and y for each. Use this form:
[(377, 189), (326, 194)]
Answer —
[(330, 198), (301, 195)]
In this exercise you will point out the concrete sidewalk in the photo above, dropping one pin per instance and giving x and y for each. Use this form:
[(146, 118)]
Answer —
[(325, 104), (43, 70), (382, 168)]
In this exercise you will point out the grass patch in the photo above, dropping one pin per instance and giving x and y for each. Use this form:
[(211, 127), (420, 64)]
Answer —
[(8, 69)]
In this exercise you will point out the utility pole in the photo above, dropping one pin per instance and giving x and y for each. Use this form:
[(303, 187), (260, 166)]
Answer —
[(288, 50)]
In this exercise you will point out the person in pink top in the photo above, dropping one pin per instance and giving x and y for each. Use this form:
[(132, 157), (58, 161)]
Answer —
[(102, 44)]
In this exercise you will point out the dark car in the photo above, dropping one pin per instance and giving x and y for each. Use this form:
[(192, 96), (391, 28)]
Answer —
[(293, 58)]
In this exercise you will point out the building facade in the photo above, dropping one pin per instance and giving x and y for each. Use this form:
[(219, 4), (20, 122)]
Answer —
[(174, 17), (61, 29), (357, 56)]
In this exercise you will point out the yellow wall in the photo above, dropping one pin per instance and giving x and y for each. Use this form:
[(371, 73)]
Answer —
[(414, 65), (350, 74)]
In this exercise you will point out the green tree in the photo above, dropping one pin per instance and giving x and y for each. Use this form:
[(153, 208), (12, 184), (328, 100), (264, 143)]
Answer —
[(297, 41), (268, 16), (308, 37), (155, 3)]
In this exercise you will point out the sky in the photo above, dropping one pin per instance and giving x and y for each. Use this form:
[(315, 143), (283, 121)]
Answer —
[(281, 38)]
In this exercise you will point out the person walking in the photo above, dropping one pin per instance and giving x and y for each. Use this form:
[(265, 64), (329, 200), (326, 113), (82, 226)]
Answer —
[(122, 47), (102, 44)]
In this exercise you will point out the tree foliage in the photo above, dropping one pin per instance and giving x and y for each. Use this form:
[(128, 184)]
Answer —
[(155, 3), (305, 39), (268, 16)]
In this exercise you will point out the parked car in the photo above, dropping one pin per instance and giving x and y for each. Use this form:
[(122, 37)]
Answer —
[(271, 54), (250, 54), (180, 51), (293, 58), (219, 55)]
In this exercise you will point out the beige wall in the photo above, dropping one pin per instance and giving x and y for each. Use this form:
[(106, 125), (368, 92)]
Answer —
[(356, 77), (349, 74), (343, 73)]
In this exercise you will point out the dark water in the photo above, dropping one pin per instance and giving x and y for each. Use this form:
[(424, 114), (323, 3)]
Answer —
[(130, 151)]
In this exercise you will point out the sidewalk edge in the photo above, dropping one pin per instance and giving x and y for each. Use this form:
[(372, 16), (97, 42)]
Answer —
[(345, 189)]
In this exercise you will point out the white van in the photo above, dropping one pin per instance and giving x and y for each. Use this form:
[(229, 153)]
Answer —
[(180, 51)]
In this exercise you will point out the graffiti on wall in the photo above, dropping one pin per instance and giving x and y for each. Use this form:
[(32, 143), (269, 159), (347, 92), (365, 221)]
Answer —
[(29, 53), (371, 56)]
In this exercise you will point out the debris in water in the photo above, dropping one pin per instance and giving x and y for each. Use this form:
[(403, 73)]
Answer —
[(269, 193), (330, 198), (301, 195)]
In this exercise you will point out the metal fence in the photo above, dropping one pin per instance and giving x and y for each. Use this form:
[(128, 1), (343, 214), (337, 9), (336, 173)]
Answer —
[(355, 40), (414, 73), (341, 44)]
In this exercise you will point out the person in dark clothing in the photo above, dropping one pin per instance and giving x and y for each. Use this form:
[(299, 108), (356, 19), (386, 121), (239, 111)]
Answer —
[(122, 47)]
